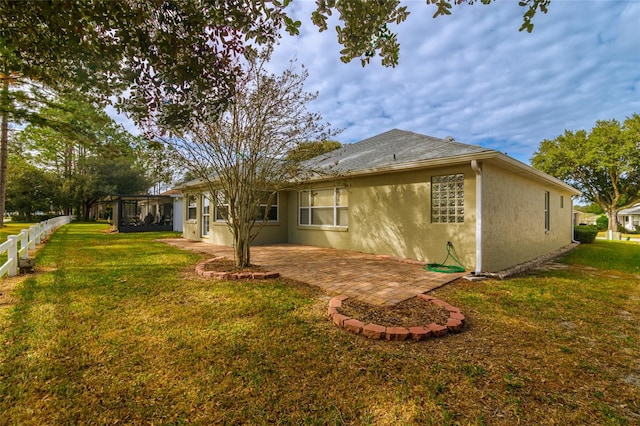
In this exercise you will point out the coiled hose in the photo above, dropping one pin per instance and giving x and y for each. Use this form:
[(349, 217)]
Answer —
[(447, 269)]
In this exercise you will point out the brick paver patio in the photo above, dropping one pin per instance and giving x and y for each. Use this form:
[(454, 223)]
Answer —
[(366, 277)]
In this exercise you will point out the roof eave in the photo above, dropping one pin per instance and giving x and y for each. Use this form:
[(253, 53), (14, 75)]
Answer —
[(502, 161)]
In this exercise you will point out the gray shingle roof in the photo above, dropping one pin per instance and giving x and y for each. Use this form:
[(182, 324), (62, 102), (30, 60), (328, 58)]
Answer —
[(392, 148), (631, 210)]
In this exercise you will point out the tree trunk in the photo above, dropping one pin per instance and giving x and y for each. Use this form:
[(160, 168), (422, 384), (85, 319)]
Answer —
[(612, 214), (242, 247), (4, 143)]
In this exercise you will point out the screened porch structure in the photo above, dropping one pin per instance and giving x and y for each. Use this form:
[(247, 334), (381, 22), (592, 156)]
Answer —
[(142, 213)]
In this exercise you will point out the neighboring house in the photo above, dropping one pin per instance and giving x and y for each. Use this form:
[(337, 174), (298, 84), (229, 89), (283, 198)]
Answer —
[(630, 218), (406, 195), (582, 218)]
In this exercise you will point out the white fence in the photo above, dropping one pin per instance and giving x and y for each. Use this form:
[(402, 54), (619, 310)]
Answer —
[(18, 246)]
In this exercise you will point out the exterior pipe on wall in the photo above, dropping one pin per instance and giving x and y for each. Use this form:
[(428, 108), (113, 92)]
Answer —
[(476, 166)]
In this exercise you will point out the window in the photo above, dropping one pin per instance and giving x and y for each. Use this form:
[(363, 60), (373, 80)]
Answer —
[(447, 199), (191, 207), (324, 207), (546, 211), (562, 201), (272, 214), (206, 213), (222, 208)]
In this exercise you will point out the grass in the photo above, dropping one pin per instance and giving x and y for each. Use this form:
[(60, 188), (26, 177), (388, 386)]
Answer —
[(625, 236), (118, 329), (12, 228)]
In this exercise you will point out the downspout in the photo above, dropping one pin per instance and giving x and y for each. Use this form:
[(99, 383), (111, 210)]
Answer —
[(476, 166)]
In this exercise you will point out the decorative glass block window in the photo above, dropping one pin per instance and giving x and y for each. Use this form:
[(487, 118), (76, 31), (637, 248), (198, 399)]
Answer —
[(328, 207), (192, 206), (447, 199)]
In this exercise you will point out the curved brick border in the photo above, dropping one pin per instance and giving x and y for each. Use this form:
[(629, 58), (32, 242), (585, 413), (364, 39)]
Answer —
[(374, 331), (200, 270)]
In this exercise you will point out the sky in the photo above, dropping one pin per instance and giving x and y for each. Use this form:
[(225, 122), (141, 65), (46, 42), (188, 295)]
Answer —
[(472, 75)]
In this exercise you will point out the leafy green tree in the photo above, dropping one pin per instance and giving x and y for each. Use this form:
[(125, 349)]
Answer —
[(364, 30), (602, 222), (29, 189), (103, 177), (86, 153), (604, 163), (592, 208), (170, 61), (307, 150)]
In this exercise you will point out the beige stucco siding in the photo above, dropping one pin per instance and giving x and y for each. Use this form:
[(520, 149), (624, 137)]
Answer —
[(219, 234), (390, 214), (513, 218)]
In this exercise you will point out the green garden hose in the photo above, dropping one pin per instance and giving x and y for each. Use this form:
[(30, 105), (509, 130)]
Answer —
[(447, 269)]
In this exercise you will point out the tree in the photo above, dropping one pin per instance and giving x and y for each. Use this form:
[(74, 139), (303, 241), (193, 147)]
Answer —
[(103, 177), (170, 61), (241, 157), (307, 150), (87, 153), (592, 208), (604, 164), (29, 189), (364, 30)]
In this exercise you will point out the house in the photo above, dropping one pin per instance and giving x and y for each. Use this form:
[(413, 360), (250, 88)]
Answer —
[(582, 218), (630, 218), (407, 195), (177, 208)]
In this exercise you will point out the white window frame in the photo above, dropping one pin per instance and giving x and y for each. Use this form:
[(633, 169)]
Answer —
[(222, 205), (275, 204), (309, 208), (205, 226), (192, 206), (547, 208)]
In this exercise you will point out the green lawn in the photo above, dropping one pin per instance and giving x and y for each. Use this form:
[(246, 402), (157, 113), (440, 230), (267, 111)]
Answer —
[(117, 328), (11, 228)]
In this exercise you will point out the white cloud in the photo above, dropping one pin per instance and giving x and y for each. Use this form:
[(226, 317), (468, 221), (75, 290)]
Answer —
[(473, 75)]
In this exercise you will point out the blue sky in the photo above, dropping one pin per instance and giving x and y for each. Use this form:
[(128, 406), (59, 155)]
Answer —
[(474, 76)]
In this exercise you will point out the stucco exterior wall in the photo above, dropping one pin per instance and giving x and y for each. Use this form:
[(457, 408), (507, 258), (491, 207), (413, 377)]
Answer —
[(219, 233), (391, 214), (513, 219)]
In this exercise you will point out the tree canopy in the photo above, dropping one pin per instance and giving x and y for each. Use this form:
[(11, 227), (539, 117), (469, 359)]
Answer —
[(604, 163), (364, 29), (88, 154), (309, 149)]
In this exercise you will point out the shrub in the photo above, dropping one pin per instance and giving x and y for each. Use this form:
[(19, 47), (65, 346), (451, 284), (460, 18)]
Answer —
[(602, 222), (585, 234), (21, 218)]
